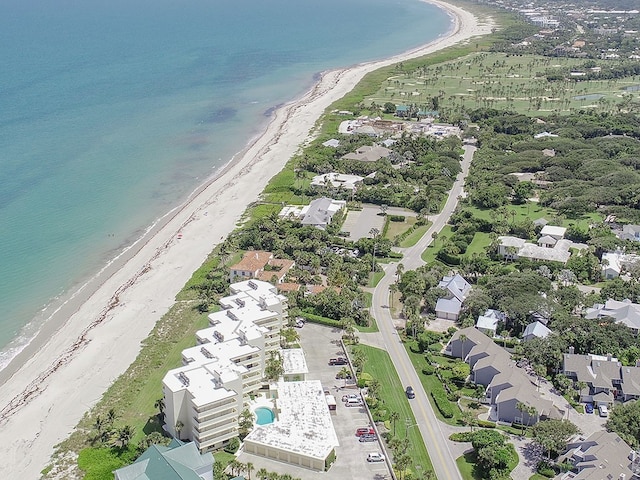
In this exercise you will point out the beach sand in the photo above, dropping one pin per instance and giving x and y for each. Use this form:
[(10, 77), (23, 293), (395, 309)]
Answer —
[(65, 371)]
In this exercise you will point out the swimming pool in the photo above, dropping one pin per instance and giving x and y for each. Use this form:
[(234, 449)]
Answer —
[(265, 415)]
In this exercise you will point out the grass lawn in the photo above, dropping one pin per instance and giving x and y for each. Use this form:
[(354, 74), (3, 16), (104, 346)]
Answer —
[(414, 236), (537, 476), (479, 244), (469, 471), (429, 255), (99, 463), (396, 228), (375, 279), (379, 366)]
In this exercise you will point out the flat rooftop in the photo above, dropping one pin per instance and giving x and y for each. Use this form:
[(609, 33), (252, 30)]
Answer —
[(304, 424), (294, 361)]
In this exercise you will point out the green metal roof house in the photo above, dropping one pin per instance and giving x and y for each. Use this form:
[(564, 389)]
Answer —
[(177, 461)]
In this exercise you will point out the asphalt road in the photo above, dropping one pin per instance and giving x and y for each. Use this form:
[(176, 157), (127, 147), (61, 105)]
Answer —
[(443, 461)]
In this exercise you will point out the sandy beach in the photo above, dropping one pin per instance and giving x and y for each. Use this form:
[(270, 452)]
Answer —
[(67, 368)]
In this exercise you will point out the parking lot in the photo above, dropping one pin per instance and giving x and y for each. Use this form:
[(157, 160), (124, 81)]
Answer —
[(320, 344), (360, 222)]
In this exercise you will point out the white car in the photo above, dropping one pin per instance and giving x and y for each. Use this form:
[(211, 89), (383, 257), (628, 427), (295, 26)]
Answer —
[(375, 457), (603, 410)]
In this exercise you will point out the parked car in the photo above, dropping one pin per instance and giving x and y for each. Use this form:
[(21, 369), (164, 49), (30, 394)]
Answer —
[(368, 438), (299, 322), (365, 431), (375, 457), (353, 402), (350, 396), (588, 407), (603, 410), (338, 361), (410, 393)]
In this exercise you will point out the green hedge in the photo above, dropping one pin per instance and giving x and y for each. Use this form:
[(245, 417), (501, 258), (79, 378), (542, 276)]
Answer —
[(461, 437), (486, 424), (428, 370), (396, 218), (442, 402), (321, 320)]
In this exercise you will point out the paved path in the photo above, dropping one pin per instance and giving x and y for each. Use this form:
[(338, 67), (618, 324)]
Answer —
[(435, 437)]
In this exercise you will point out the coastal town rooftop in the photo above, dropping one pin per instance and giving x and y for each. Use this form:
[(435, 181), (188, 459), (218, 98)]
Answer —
[(304, 426)]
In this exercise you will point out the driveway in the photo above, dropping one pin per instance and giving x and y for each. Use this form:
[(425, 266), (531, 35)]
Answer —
[(360, 222)]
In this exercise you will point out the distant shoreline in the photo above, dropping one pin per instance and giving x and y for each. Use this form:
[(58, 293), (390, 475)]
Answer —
[(68, 366)]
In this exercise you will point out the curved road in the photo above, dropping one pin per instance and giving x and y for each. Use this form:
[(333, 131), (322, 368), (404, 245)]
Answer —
[(443, 461)]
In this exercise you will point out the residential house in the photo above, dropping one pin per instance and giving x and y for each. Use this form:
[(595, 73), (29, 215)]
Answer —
[(177, 461), (207, 394), (260, 265), (508, 387), (488, 323), (601, 374), (625, 312), (317, 214), (613, 263), (630, 232), (603, 455), (456, 290), (551, 246), (368, 153), (535, 330)]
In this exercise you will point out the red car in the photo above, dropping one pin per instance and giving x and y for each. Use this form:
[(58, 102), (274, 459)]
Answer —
[(365, 431)]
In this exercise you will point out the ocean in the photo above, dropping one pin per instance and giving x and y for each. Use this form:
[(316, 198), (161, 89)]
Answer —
[(111, 113)]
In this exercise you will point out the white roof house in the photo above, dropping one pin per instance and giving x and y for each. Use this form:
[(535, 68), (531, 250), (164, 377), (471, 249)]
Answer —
[(317, 214), (625, 312), (456, 288), (488, 323), (535, 330), (614, 262), (332, 143), (553, 231), (207, 393), (368, 153), (551, 246)]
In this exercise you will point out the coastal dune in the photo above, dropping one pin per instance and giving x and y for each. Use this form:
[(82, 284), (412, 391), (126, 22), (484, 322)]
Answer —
[(68, 367)]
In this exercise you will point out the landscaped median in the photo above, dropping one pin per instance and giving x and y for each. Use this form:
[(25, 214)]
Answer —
[(393, 408)]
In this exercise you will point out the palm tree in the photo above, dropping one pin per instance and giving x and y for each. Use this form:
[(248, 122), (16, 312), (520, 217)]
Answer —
[(522, 408), (394, 417), (463, 339), (249, 468), (262, 474), (159, 404), (124, 436), (468, 418), (111, 416), (179, 426), (540, 371)]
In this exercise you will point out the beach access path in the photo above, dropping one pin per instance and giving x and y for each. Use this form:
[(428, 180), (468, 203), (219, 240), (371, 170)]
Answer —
[(435, 439), (66, 370)]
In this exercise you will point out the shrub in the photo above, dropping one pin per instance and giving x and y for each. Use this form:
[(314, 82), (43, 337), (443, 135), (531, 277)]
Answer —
[(232, 446), (461, 437), (442, 402), (396, 218), (486, 424), (546, 469), (321, 320), (435, 347), (428, 370)]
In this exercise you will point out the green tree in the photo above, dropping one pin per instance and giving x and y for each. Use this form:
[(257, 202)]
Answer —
[(394, 417), (262, 474), (273, 369), (245, 423), (552, 435), (625, 421)]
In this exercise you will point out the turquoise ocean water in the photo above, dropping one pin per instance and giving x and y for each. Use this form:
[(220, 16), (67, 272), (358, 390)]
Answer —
[(112, 112)]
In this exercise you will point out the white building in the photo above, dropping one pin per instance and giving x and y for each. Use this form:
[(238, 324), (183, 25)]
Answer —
[(205, 396), (337, 180), (303, 434), (551, 246), (317, 214)]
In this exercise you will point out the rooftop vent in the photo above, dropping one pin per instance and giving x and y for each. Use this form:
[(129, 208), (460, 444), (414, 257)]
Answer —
[(184, 379), (253, 285)]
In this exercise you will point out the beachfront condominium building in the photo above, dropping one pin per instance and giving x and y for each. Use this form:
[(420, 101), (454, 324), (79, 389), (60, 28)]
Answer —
[(204, 398)]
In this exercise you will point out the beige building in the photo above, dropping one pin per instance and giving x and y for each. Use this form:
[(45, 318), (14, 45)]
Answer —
[(204, 397), (260, 265)]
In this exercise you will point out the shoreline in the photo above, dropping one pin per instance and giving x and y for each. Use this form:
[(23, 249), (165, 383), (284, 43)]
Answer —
[(108, 316)]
